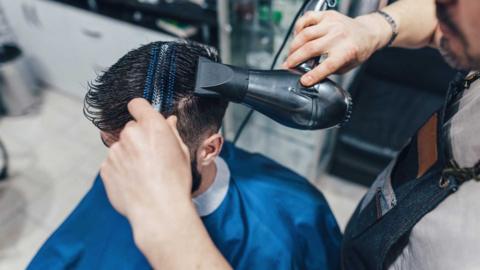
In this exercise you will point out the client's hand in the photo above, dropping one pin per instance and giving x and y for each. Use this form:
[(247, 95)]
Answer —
[(346, 42), (147, 177)]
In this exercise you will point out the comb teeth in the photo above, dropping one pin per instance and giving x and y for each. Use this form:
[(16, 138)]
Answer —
[(158, 98), (171, 79), (147, 91)]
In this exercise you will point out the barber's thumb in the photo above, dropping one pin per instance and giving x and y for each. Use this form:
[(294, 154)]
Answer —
[(172, 122), (141, 109)]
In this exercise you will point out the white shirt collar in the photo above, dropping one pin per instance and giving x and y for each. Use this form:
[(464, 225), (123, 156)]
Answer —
[(212, 198)]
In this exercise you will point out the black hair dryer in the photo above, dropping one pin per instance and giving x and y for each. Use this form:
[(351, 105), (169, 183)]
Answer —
[(277, 94)]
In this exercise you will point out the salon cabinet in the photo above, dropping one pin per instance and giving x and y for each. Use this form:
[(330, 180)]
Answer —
[(69, 46)]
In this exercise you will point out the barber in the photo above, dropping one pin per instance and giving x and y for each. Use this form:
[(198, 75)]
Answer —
[(423, 212)]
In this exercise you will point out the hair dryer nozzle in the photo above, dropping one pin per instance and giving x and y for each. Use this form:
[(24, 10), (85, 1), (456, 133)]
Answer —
[(219, 80)]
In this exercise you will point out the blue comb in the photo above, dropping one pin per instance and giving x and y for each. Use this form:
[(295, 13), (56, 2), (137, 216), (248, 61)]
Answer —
[(147, 90), (164, 79), (171, 79), (158, 93)]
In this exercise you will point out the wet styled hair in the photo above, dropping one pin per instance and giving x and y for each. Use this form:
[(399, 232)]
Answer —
[(107, 98)]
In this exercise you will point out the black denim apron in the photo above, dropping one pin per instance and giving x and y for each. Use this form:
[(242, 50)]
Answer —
[(380, 226)]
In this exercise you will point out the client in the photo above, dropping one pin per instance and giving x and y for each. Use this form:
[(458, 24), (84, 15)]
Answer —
[(259, 214)]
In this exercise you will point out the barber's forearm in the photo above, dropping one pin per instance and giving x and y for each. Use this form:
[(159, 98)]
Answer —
[(415, 19), (183, 244)]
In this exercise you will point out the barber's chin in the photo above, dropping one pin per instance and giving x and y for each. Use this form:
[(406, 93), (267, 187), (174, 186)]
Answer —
[(454, 62)]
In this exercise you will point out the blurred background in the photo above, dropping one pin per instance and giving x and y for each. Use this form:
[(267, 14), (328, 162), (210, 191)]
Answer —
[(51, 49)]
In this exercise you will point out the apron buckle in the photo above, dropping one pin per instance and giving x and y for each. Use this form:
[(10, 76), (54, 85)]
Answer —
[(461, 174)]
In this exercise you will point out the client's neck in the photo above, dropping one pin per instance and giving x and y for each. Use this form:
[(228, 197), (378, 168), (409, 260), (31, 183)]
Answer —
[(208, 177)]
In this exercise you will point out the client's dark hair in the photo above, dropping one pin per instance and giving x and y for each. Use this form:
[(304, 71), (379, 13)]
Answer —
[(107, 98)]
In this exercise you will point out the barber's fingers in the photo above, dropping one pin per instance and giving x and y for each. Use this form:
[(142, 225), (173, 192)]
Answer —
[(172, 122), (112, 157), (130, 124), (109, 175), (308, 19), (347, 67), (129, 128), (106, 174), (106, 171), (134, 138), (306, 35), (308, 51), (111, 164), (327, 67), (141, 110)]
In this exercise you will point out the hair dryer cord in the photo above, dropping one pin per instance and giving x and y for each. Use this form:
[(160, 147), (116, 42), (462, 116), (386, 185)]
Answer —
[(274, 63)]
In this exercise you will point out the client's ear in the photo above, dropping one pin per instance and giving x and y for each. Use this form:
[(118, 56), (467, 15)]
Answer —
[(209, 149)]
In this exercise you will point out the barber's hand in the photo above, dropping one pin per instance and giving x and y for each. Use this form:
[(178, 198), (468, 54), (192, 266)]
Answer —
[(147, 177), (148, 169), (347, 42)]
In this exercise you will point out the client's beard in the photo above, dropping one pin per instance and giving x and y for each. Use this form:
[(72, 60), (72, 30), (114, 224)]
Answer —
[(196, 176)]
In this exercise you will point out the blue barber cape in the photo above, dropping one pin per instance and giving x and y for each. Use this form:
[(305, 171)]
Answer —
[(270, 218)]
